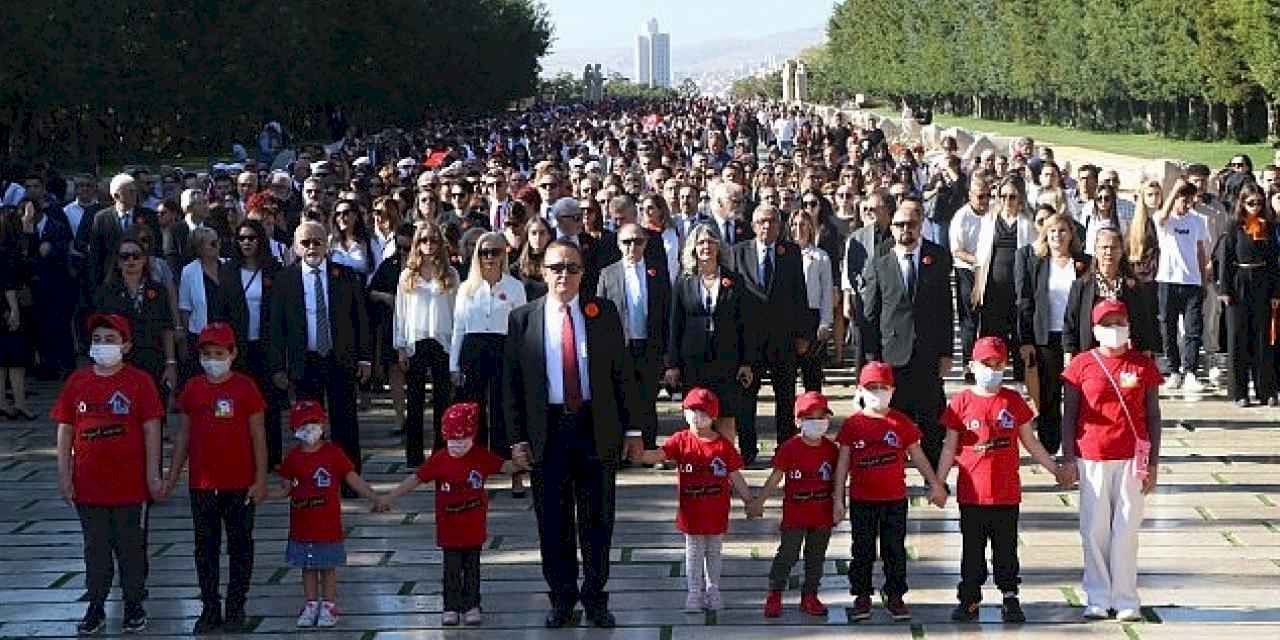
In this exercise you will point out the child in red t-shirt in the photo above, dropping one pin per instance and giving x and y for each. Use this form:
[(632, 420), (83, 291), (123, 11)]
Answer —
[(222, 423), (984, 425), (709, 466), (108, 416), (462, 507), (809, 465), (874, 445), (313, 473)]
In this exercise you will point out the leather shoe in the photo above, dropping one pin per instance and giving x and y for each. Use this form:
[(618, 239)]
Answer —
[(601, 618), (557, 618)]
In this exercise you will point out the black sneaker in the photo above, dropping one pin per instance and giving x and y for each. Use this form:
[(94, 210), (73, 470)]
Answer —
[(234, 620), (93, 620), (210, 619), (1011, 610), (965, 612), (135, 618)]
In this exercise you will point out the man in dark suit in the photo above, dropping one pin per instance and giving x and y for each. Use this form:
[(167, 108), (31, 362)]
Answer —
[(319, 334), (502, 207), (864, 245), (110, 223), (776, 307), (568, 396), (907, 300), (49, 244), (597, 253), (642, 293), (195, 210), (728, 201)]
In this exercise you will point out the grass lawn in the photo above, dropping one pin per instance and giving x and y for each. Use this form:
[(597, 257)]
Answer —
[(1214, 154)]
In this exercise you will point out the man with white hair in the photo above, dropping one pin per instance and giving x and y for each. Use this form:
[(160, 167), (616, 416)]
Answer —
[(195, 210), (109, 225), (727, 202), (288, 199)]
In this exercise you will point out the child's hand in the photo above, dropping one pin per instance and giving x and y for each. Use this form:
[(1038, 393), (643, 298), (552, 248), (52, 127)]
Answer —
[(381, 504), (837, 513), (158, 489), (755, 508), (1066, 476), (938, 496), (257, 493)]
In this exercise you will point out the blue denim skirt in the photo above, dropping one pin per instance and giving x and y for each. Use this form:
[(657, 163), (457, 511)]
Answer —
[(315, 556)]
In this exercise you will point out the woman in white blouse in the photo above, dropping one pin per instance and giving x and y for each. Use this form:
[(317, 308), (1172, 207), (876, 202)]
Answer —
[(199, 299), (349, 241), (1001, 233), (817, 282), (386, 219), (479, 333), (421, 332)]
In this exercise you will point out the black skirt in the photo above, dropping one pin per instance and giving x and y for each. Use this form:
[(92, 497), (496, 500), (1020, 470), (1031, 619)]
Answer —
[(481, 364)]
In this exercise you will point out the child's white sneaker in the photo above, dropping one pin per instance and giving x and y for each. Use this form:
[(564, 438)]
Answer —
[(1094, 612), (1129, 615), (307, 617), (693, 603), (713, 601), (472, 617), (449, 619), (328, 615)]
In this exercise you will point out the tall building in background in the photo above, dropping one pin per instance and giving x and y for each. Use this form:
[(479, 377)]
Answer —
[(653, 56)]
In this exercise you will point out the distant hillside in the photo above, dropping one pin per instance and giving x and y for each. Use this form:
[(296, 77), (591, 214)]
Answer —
[(690, 59)]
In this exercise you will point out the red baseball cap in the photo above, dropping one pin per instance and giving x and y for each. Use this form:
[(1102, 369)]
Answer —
[(111, 321), (876, 373), (990, 348), (218, 334), (701, 399), (460, 421), (1108, 307), (810, 403), (307, 412)]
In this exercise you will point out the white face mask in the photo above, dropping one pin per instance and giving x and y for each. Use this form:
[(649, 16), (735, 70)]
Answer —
[(1112, 337), (216, 368), (309, 433), (877, 400), (458, 448), (699, 419), (814, 428), (985, 376), (106, 355)]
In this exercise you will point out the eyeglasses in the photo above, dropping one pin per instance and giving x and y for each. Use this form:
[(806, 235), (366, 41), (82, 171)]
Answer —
[(457, 194), (1236, 165), (572, 268), (570, 216), (905, 224), (546, 185), (247, 238), (982, 196), (632, 241), (130, 255), (489, 253), (311, 242), (811, 203)]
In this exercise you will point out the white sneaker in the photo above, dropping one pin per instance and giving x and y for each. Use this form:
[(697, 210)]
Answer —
[(307, 617), (472, 618), (1173, 383), (713, 601), (1094, 612), (1129, 615), (449, 619), (693, 603), (1192, 384), (328, 615)]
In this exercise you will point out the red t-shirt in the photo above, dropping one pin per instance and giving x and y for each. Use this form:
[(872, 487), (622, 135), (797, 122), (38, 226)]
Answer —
[(704, 481), (109, 448), (878, 454), (1102, 430), (219, 442), (810, 471), (462, 504), (315, 502), (987, 454)]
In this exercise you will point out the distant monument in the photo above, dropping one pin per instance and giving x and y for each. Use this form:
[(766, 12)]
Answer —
[(801, 83), (593, 80), (788, 81)]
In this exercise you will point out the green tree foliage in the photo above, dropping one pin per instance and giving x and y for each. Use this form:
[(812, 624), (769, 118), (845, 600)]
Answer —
[(751, 87), (97, 79)]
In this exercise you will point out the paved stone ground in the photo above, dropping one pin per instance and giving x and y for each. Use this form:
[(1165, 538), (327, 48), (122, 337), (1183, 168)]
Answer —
[(1210, 557)]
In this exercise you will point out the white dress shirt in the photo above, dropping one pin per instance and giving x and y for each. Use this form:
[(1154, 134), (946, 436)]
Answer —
[(191, 297), (484, 310), (817, 282), (1060, 280), (353, 257), (762, 250), (251, 284), (309, 299), (671, 244), (900, 254), (553, 319), (75, 213), (382, 247), (423, 312), (963, 233), (637, 296)]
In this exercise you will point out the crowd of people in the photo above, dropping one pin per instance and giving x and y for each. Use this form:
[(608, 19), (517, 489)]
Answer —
[(552, 273)]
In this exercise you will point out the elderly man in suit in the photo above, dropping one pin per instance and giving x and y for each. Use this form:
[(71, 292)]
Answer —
[(907, 299), (728, 200), (641, 291), (568, 396), (319, 334), (867, 243), (109, 225), (776, 307)]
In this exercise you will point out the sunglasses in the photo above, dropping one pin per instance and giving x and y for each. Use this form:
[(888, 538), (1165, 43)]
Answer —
[(311, 242), (489, 253), (546, 185), (577, 216), (632, 241), (811, 203), (905, 224), (571, 268), (247, 238), (130, 255)]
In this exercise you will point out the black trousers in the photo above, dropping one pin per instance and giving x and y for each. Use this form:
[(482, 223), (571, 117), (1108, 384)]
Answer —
[(211, 511), (429, 361), (918, 393), (461, 576), (781, 367), (978, 524), (1049, 360), (574, 496), (335, 387), (810, 364), (815, 542), (481, 363), (1184, 301), (1249, 336), (885, 522), (965, 315), (55, 342), (114, 535), (254, 364), (643, 369)]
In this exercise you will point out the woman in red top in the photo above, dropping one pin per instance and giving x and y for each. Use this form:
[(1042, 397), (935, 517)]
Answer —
[(1111, 441)]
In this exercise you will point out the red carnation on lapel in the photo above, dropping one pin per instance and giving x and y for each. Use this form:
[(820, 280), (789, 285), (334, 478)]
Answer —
[(591, 310), (725, 282), (926, 260), (652, 272)]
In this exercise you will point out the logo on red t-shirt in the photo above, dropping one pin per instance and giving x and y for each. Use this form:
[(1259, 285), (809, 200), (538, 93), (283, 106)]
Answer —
[(322, 477), (1005, 419), (824, 471), (223, 408), (119, 403), (891, 439), (475, 480), (718, 468)]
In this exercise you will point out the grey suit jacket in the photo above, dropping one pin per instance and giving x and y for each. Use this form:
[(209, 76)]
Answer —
[(612, 287)]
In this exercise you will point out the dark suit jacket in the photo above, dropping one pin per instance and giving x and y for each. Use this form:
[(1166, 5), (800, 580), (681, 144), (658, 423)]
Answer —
[(612, 287), (861, 248), (1077, 326), (233, 300), (525, 387), (105, 234), (742, 230), (181, 237), (1031, 281), (348, 319), (700, 353), (899, 327), (50, 273), (775, 316)]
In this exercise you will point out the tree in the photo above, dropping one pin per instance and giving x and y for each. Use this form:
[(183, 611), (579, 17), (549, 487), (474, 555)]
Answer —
[(768, 86)]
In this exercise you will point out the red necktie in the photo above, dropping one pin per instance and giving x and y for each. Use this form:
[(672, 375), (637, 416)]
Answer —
[(569, 362)]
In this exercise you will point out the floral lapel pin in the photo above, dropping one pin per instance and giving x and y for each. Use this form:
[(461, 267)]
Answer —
[(591, 310)]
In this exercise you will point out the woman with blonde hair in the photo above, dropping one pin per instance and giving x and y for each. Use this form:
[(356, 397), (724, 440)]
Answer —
[(421, 332), (1143, 245), (1000, 235)]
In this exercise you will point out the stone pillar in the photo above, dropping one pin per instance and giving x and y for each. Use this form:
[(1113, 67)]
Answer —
[(788, 82), (802, 83)]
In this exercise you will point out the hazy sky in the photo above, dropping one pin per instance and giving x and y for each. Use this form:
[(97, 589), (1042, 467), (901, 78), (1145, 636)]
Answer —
[(612, 23)]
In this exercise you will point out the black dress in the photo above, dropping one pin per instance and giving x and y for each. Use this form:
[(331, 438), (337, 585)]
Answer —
[(147, 310), (385, 279), (997, 313), (15, 346)]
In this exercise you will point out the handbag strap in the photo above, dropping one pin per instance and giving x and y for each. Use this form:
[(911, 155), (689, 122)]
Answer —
[(1128, 418)]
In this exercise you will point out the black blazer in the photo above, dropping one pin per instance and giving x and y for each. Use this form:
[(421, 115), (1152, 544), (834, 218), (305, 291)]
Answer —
[(1077, 327), (348, 319), (612, 287), (524, 377), (779, 314), (707, 346), (50, 273), (233, 300), (1031, 281), (898, 327), (105, 234)]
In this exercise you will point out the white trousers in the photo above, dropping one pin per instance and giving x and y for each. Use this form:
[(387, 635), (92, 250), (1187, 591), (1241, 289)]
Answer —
[(702, 561), (1111, 503)]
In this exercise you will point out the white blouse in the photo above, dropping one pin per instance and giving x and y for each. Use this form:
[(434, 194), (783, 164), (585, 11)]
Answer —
[(1060, 279), (353, 257), (485, 310), (251, 284), (423, 312), (817, 282)]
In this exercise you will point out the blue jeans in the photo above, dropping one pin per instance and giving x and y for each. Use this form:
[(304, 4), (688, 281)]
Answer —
[(1184, 301)]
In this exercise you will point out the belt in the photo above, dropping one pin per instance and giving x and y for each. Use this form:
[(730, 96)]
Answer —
[(564, 409)]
